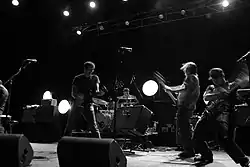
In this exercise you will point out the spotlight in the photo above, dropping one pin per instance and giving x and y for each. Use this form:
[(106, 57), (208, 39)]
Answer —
[(78, 32), (225, 3), (92, 4), (150, 88), (126, 23), (15, 2), (64, 107), (47, 95), (66, 13)]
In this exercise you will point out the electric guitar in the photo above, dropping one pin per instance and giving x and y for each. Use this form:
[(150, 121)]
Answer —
[(161, 80), (242, 80)]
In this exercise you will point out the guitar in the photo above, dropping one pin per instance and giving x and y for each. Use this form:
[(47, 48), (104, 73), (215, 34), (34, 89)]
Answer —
[(242, 80), (160, 79)]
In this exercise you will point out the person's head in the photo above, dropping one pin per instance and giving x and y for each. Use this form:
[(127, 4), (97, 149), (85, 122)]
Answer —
[(89, 68), (217, 76), (189, 68), (126, 91)]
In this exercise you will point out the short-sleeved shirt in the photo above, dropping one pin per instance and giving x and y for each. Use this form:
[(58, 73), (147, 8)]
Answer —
[(190, 95), (4, 94), (86, 85)]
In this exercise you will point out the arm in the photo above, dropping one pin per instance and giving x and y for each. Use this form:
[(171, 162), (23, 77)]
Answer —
[(175, 88), (98, 92), (209, 95), (74, 90), (188, 82)]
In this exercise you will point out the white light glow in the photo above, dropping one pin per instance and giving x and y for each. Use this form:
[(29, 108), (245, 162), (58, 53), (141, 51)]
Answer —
[(78, 32), (66, 13), (15, 2), (47, 95), (64, 107), (225, 3), (92, 4), (150, 88)]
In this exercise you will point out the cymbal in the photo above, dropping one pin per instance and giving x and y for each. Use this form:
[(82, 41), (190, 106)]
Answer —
[(99, 101), (126, 98)]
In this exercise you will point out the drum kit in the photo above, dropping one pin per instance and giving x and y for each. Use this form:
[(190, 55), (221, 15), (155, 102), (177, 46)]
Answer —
[(105, 111), (242, 111)]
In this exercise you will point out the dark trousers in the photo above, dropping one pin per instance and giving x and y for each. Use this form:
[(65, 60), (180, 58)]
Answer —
[(1, 124), (225, 130), (82, 117), (184, 127)]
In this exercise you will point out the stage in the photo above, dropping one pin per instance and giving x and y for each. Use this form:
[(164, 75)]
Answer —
[(46, 155)]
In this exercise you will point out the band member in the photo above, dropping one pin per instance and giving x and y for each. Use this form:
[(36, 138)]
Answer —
[(216, 118), (4, 94), (84, 87), (188, 94), (126, 99)]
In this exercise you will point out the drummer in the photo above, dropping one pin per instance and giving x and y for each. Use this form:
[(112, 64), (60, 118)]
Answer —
[(126, 100)]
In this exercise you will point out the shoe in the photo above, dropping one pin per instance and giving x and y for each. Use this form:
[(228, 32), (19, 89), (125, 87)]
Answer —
[(201, 161), (186, 154), (246, 163)]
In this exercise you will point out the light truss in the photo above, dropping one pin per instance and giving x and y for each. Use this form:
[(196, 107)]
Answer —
[(155, 18)]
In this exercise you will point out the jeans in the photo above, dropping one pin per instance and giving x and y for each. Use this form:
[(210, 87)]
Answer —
[(184, 127), (221, 125), (82, 117)]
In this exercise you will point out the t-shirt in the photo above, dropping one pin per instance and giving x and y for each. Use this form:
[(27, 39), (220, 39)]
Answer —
[(189, 96), (86, 85)]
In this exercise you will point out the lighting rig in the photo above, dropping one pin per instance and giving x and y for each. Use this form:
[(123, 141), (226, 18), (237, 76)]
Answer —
[(158, 17)]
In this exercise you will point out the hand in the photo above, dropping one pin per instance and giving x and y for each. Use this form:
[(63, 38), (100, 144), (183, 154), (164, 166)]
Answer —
[(167, 88)]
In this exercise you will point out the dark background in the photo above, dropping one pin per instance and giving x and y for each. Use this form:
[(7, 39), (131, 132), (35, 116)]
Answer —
[(36, 29)]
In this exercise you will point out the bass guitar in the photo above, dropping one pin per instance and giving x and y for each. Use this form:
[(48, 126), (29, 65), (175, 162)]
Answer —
[(161, 80)]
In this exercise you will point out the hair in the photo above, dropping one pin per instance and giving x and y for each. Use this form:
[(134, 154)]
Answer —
[(191, 66), (88, 64), (126, 90)]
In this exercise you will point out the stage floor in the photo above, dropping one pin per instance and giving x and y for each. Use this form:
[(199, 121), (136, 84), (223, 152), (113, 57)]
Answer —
[(45, 156)]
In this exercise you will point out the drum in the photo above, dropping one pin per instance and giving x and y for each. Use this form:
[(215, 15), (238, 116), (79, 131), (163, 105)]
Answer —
[(104, 119), (242, 115)]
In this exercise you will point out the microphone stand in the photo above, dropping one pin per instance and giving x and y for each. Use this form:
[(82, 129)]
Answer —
[(136, 87), (10, 81)]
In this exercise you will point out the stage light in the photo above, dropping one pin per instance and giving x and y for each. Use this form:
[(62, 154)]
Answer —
[(127, 23), (66, 13), (161, 16), (47, 95), (150, 88), (225, 3), (64, 107), (15, 2), (92, 4), (78, 32)]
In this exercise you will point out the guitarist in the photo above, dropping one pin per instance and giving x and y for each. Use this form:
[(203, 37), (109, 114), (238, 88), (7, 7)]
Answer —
[(219, 98), (188, 94), (84, 87)]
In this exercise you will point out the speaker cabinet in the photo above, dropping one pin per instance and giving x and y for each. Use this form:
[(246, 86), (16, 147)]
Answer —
[(16, 150), (94, 152)]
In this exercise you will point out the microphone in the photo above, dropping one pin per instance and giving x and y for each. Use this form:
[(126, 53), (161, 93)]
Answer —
[(243, 57), (31, 60), (126, 48)]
